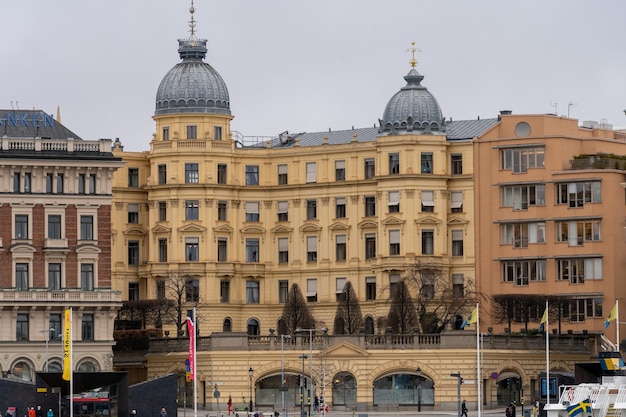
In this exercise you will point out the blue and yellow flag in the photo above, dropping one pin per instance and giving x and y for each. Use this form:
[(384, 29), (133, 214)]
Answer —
[(471, 319), (544, 320), (611, 317), (582, 408)]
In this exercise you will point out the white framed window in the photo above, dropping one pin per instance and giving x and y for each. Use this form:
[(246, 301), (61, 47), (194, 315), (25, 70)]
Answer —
[(340, 170), (311, 289), (311, 248), (428, 201), (283, 211), (311, 172), (394, 242), (456, 201), (394, 202), (252, 211)]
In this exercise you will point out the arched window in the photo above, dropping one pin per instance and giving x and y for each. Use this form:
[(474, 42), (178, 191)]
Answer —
[(227, 326), (369, 325), (344, 389), (253, 327), (87, 366), (23, 370), (55, 366)]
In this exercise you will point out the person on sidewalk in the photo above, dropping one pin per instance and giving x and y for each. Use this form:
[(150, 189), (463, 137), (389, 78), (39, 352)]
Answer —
[(230, 404), (463, 409)]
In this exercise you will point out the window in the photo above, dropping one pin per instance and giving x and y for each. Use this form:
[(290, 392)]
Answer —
[(457, 243), (224, 291), (217, 132), (519, 197), (340, 207), (192, 209), (192, 290), (428, 201), (340, 170), (166, 133), (162, 250), (283, 291), (340, 248), (428, 285), (283, 214), (27, 182), (252, 250), (282, 174), (133, 252), (133, 291), (283, 250), (192, 175), (22, 277), (370, 206), (578, 309), (162, 211), (370, 168), (428, 242), (578, 231), (221, 173), (133, 177), (394, 242), (519, 160), (311, 290), (521, 234), (252, 211), (456, 202), (370, 288), (252, 175), (394, 163), (21, 226), (577, 270), (86, 277), (60, 183), (340, 284), (55, 323), (191, 249), (370, 245), (86, 227), (92, 183), (221, 210), (521, 272), (394, 279), (162, 173), (54, 276), (160, 289), (133, 213), (311, 248), (458, 285), (49, 182), (426, 160), (222, 250), (21, 328), (456, 163), (394, 202), (252, 292), (17, 182), (311, 209), (311, 172), (576, 194), (227, 325), (192, 132)]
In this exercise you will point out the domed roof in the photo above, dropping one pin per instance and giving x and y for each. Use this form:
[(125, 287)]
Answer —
[(412, 108), (192, 86)]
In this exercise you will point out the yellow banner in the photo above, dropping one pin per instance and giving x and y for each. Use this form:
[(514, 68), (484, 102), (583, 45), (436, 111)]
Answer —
[(67, 345)]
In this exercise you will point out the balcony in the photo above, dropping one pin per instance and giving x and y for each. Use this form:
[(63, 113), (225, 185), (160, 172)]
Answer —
[(56, 244), (599, 161), (63, 297)]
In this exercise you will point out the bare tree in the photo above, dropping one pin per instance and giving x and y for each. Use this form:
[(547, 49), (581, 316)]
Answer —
[(182, 289), (402, 317), (348, 317), (142, 314), (523, 308), (438, 299), (296, 314)]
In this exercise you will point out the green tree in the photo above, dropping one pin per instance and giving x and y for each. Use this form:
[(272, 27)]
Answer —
[(348, 317)]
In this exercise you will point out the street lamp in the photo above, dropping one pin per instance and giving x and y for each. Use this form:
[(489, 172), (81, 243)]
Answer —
[(303, 357), (283, 388), (250, 372), (419, 389), (47, 332), (323, 329)]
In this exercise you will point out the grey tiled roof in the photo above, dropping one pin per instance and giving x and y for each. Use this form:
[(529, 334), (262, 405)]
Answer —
[(32, 123), (458, 130)]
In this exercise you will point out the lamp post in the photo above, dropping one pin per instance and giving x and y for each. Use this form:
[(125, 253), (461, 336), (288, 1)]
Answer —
[(250, 372), (419, 389), (323, 329), (283, 388), (47, 332), (303, 357)]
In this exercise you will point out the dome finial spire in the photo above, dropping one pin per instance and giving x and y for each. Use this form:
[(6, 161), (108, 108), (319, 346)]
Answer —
[(413, 50), (192, 24)]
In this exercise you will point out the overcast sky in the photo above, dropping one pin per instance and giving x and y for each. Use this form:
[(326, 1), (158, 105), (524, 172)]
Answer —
[(306, 66)]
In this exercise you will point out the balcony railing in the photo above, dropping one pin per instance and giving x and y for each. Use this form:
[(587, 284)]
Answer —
[(60, 296)]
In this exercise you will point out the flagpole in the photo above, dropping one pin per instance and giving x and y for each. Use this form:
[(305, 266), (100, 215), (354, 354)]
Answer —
[(478, 373), (547, 355), (617, 323), (195, 360)]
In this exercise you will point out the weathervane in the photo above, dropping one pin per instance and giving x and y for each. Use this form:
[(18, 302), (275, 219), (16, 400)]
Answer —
[(192, 23), (413, 50)]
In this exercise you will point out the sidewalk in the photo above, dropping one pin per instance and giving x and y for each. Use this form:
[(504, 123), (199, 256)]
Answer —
[(429, 413)]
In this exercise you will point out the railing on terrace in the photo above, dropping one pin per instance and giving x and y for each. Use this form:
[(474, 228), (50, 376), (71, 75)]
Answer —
[(447, 340), (599, 161), (55, 145)]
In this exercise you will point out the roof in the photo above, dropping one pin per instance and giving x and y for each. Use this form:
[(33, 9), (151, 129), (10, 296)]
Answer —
[(32, 123)]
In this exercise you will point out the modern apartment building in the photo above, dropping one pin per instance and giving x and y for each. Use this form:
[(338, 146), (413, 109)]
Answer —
[(55, 245)]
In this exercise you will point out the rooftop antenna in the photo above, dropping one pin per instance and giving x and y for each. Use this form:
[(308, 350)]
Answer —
[(555, 105), (413, 50), (569, 106), (192, 25)]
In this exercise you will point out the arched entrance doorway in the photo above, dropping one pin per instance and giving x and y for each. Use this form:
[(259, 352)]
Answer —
[(404, 389), (344, 390), (509, 386), (267, 392)]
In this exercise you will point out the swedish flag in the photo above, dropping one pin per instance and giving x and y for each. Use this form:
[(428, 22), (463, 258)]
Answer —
[(473, 318), (583, 408)]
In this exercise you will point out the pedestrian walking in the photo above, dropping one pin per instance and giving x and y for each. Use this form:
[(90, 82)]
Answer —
[(163, 412), (230, 404), (50, 413), (463, 409)]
